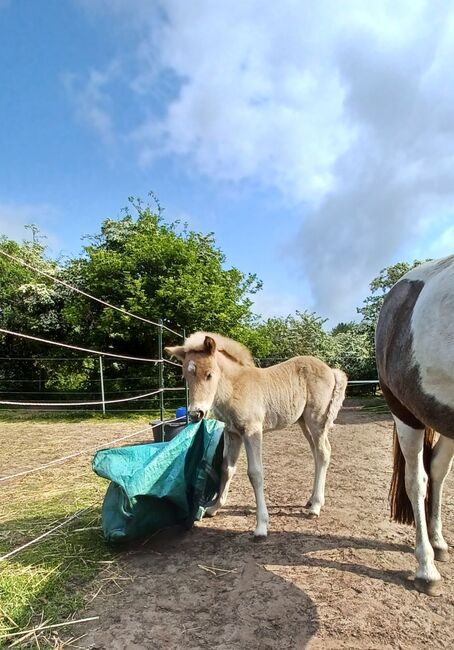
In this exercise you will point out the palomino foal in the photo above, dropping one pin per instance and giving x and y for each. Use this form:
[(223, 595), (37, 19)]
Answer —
[(222, 376), (415, 360)]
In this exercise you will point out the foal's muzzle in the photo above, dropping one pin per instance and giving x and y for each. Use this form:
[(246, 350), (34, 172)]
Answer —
[(196, 416)]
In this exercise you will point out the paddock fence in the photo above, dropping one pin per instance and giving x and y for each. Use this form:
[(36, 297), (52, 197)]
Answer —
[(25, 392), (111, 389)]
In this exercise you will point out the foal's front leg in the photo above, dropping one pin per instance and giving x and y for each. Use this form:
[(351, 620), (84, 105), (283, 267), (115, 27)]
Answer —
[(232, 448), (253, 444)]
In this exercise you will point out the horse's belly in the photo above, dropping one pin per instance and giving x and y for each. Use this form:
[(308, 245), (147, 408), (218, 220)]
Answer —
[(274, 421), (281, 419)]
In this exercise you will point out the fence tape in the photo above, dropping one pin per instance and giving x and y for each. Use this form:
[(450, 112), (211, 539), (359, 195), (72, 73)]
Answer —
[(84, 293), (46, 534), (95, 403), (84, 451), (75, 347)]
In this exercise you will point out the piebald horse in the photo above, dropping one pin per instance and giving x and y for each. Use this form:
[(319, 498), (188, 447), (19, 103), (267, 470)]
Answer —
[(222, 376), (415, 358)]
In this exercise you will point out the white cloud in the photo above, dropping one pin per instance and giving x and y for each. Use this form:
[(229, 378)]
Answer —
[(438, 241), (345, 108), (244, 112), (91, 100), (443, 245)]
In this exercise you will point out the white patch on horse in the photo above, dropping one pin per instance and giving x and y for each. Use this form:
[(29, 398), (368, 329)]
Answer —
[(425, 271), (191, 366), (432, 325), (420, 389), (411, 442)]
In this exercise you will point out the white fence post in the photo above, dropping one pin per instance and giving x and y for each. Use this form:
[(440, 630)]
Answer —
[(102, 386)]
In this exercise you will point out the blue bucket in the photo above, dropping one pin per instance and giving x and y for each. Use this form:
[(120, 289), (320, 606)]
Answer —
[(180, 412)]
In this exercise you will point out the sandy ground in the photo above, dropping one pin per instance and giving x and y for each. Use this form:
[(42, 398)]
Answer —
[(342, 581)]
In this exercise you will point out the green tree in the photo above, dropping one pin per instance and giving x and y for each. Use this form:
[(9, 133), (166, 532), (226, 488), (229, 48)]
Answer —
[(29, 304), (351, 351), (301, 333), (379, 287), (138, 262), (342, 328), (26, 298), (158, 270)]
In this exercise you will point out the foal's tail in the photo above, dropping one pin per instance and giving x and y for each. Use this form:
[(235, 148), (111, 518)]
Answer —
[(340, 386), (400, 504)]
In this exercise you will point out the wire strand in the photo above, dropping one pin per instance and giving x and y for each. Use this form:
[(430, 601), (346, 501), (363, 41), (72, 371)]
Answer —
[(87, 295), (84, 451), (75, 347), (96, 403), (46, 534)]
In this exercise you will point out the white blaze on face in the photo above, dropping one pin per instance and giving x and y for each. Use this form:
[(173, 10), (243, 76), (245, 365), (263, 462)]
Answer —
[(202, 389)]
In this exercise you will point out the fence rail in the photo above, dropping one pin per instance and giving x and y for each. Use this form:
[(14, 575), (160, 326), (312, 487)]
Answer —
[(101, 355)]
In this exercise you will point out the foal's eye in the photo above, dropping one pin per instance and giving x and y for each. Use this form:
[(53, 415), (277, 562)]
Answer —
[(209, 376)]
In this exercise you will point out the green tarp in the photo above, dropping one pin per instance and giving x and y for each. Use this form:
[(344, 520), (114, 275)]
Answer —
[(157, 485)]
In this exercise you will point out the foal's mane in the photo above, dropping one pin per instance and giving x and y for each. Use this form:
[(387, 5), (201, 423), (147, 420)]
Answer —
[(235, 351)]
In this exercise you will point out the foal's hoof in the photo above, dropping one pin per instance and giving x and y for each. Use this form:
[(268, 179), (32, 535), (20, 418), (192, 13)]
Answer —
[(259, 538), (211, 512), (313, 515), (441, 554), (428, 587), (308, 504)]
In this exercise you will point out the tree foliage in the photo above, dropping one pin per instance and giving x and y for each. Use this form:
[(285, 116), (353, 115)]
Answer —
[(138, 262), (156, 269), (379, 287)]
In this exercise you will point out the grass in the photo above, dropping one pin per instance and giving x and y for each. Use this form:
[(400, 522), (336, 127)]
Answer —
[(15, 415), (47, 582), (375, 404), (52, 580)]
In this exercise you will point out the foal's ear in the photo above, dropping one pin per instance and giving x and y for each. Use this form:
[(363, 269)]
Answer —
[(176, 351), (209, 345)]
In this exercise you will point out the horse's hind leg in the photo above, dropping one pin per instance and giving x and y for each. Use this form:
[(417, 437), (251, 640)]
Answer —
[(232, 448), (411, 442), (443, 453), (308, 436), (322, 456)]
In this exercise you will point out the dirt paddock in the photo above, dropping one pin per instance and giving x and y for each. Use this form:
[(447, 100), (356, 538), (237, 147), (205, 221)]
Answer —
[(342, 581)]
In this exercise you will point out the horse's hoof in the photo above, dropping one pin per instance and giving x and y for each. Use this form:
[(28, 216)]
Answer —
[(428, 587), (313, 515), (259, 538), (441, 554), (210, 513)]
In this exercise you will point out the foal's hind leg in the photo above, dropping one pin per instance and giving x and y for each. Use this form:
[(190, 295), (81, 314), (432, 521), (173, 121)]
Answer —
[(411, 442), (308, 436), (439, 467), (322, 456), (232, 448)]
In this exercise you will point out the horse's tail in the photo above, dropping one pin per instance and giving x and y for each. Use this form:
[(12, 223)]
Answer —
[(337, 397), (400, 504)]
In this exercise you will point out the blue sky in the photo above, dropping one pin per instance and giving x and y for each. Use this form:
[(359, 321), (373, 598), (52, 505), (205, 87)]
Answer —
[(316, 144)]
